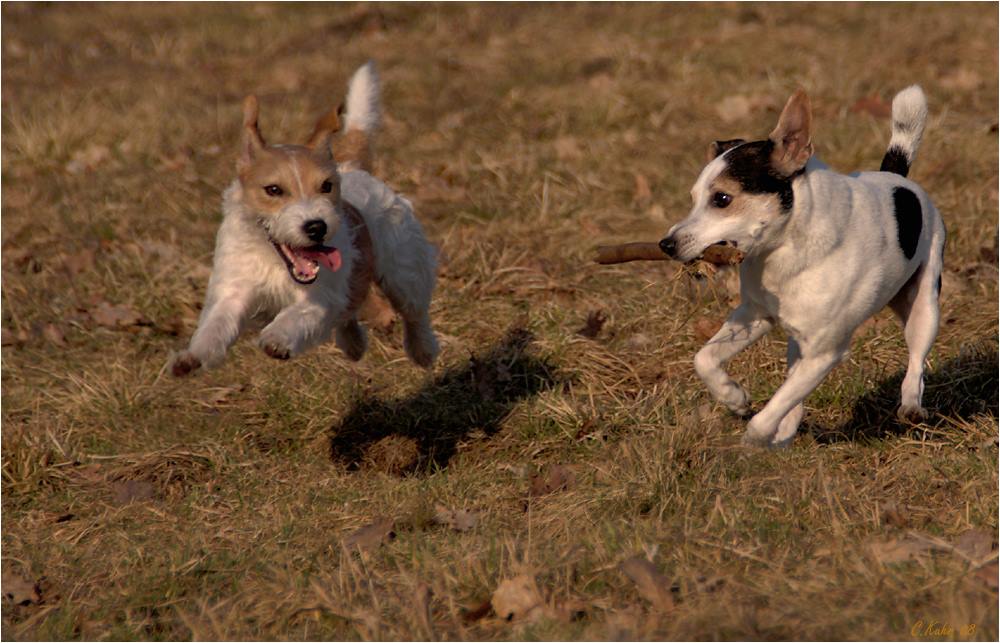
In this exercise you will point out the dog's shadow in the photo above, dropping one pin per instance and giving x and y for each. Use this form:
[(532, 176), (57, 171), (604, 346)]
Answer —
[(426, 427), (962, 387)]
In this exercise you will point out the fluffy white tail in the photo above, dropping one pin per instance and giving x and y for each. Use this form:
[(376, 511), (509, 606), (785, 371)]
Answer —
[(909, 115), (361, 110)]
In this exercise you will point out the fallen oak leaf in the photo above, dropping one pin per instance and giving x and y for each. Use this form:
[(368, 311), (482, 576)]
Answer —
[(989, 575), (705, 328), (555, 477), (371, 536), (901, 550), (114, 315), (592, 327), (651, 584), (457, 519), (20, 591), (518, 599), (974, 544)]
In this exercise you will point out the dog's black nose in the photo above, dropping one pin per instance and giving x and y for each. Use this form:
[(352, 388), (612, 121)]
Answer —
[(315, 230), (668, 246)]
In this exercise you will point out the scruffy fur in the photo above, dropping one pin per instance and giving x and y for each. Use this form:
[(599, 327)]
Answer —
[(292, 203), (824, 252)]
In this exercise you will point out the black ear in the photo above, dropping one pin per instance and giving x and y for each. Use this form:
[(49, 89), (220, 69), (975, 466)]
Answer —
[(720, 147)]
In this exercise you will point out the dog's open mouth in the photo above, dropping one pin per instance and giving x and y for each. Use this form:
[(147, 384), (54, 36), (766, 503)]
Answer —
[(303, 263)]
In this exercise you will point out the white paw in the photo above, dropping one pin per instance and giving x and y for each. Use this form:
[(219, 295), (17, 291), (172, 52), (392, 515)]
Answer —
[(736, 400)]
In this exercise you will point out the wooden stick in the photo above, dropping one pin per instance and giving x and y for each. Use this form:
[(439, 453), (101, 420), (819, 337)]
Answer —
[(643, 251)]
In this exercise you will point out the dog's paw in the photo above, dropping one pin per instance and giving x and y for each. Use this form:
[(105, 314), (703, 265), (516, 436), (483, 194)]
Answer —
[(420, 344), (737, 401), (755, 440), (912, 414), (184, 363), (352, 340), (275, 348)]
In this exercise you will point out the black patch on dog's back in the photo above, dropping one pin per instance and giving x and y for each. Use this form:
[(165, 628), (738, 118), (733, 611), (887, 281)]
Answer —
[(750, 166), (909, 220), (895, 161)]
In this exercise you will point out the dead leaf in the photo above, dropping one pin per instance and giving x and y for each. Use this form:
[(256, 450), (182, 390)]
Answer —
[(87, 159), (555, 477), (651, 584), (961, 79), (114, 315), (129, 491), (79, 261), (975, 544), (894, 515), (477, 613), (705, 328), (457, 519), (872, 105), (638, 342), (20, 591), (900, 550), (371, 536), (567, 148), (595, 322), (988, 574), (53, 335), (643, 194), (518, 599)]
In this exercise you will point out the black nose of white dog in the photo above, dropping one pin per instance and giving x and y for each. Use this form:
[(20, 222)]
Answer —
[(668, 246), (315, 230)]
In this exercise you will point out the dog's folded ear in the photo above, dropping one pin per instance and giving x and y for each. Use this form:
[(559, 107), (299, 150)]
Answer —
[(252, 141), (326, 127), (791, 137), (721, 147)]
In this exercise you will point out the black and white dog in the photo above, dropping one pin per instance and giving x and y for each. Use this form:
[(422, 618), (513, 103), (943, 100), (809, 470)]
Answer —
[(824, 252)]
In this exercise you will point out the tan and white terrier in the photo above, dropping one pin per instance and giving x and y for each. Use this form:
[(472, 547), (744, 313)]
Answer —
[(305, 232)]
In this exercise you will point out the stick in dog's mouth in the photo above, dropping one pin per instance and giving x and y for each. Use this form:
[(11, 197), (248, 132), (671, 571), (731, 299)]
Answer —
[(303, 263), (721, 253)]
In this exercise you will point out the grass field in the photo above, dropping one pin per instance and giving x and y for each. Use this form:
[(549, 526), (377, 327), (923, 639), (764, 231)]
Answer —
[(543, 449)]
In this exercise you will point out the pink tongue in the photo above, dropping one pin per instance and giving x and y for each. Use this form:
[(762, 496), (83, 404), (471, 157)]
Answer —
[(329, 257)]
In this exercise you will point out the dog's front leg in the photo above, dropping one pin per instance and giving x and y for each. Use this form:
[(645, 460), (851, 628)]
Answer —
[(744, 326), (297, 328), (803, 378), (790, 423), (221, 323)]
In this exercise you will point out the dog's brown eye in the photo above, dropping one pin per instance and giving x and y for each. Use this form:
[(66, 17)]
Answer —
[(326, 188), (273, 190), (721, 199)]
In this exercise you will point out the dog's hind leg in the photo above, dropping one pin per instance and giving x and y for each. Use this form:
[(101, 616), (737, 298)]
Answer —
[(790, 423), (352, 339), (412, 302), (917, 308), (743, 327)]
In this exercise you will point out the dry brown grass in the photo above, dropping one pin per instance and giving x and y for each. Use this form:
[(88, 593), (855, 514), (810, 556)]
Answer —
[(141, 507)]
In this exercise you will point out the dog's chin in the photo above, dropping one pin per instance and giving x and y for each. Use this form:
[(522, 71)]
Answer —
[(303, 262)]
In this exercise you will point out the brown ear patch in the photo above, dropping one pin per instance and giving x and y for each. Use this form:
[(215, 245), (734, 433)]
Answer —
[(326, 126)]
